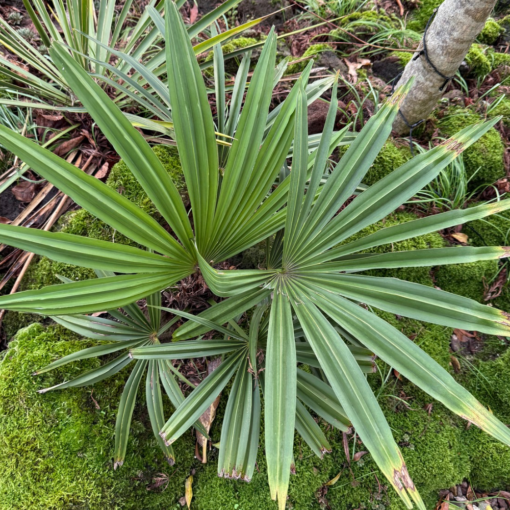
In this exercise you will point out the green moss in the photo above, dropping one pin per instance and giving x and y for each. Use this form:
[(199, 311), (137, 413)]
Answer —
[(433, 339), (503, 109), (413, 274), (478, 62), (404, 57), (490, 383), (467, 280), (56, 449), (421, 16), (490, 231), (313, 51), (233, 45), (485, 157), (389, 159), (490, 32)]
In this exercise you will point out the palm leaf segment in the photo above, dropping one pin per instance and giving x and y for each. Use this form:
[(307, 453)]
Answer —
[(316, 281), (130, 329)]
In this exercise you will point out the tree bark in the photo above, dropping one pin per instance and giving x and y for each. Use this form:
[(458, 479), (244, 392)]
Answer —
[(448, 38)]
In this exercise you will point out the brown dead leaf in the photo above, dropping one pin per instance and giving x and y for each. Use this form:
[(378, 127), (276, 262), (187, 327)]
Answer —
[(345, 441), (496, 288), (462, 238), (470, 494), (4, 221), (445, 505), (24, 191), (69, 145), (358, 456), (208, 417), (455, 364), (352, 70), (103, 171), (193, 13)]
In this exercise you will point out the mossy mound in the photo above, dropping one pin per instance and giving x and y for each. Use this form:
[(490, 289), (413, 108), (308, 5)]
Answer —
[(420, 17), (389, 159), (490, 32), (413, 274), (478, 62), (489, 381), (56, 449), (467, 280), (404, 57), (503, 109), (231, 46), (485, 157), (490, 231)]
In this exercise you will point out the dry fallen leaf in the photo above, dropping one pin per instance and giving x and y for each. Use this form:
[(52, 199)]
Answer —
[(69, 145), (24, 191), (4, 221), (189, 490), (334, 480), (208, 417), (455, 364), (462, 238), (193, 14), (102, 172), (358, 456)]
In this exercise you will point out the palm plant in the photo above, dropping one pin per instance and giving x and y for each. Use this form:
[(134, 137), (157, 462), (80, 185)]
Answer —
[(310, 282), (91, 33), (129, 329)]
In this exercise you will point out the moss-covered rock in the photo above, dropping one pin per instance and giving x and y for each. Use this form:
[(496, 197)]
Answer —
[(404, 57), (469, 279), (56, 449), (233, 45), (389, 159), (420, 17), (478, 62), (490, 32), (485, 157), (490, 231), (489, 381), (503, 109)]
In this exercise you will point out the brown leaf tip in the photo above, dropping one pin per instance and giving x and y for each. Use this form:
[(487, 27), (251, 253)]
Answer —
[(117, 464), (506, 315), (506, 252), (170, 460), (402, 479)]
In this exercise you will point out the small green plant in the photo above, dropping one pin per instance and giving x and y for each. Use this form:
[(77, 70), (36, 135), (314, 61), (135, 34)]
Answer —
[(92, 31), (450, 189), (27, 34), (310, 288), (15, 18)]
